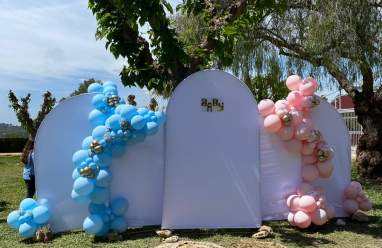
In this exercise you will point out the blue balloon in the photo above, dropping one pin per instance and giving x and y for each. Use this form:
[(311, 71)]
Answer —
[(151, 128), (40, 214), (118, 149), (99, 195), (109, 83), (79, 157), (28, 229), (99, 132), (97, 117), (103, 178), (103, 159), (13, 219), (110, 90), (97, 208), (142, 111), (119, 225), (119, 205), (113, 122), (86, 143), (138, 122), (28, 204), (95, 88), (127, 111), (83, 186), (98, 101), (104, 231), (92, 224), (75, 174), (137, 136), (79, 198)]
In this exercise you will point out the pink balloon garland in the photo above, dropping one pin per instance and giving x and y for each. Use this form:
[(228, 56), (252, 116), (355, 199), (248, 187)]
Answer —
[(290, 120)]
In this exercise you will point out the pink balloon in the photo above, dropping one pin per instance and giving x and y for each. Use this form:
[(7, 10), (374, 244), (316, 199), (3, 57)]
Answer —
[(301, 219), (314, 136), (297, 117), (307, 121), (350, 206), (272, 123), (351, 191), (302, 131), (293, 82), (309, 173), (291, 218), (295, 98), (280, 112), (304, 188), (325, 169), (310, 159), (293, 202), (365, 205), (321, 203), (330, 211), (282, 104), (319, 217), (266, 107), (307, 148), (293, 146), (356, 185), (307, 203), (286, 133), (307, 88)]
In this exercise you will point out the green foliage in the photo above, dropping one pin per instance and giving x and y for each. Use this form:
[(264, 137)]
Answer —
[(12, 144), (21, 108), (82, 87)]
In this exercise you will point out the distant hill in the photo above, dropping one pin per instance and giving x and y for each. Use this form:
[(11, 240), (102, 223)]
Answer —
[(11, 131)]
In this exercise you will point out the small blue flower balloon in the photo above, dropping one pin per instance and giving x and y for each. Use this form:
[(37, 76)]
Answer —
[(40, 214), (151, 128), (138, 122), (95, 88), (80, 156), (119, 225), (83, 186), (28, 204), (28, 229), (13, 219), (92, 224)]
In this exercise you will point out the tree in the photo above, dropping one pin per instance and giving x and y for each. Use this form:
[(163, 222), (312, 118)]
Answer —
[(21, 108), (82, 87)]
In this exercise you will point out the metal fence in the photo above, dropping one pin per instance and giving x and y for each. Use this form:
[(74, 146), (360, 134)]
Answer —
[(355, 129)]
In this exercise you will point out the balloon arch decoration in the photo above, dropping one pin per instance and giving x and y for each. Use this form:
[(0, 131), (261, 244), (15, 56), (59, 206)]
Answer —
[(117, 124)]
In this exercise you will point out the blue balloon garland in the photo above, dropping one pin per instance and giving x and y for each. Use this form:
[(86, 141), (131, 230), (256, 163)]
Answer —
[(116, 125)]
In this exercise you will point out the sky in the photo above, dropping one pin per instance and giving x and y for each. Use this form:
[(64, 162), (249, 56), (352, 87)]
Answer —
[(51, 45)]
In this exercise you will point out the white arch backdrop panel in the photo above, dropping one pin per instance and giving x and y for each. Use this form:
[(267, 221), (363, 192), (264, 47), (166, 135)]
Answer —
[(137, 175), (212, 161), (334, 130), (281, 170)]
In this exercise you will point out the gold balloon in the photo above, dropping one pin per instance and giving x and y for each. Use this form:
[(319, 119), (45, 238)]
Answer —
[(113, 100), (125, 125), (287, 119), (96, 147)]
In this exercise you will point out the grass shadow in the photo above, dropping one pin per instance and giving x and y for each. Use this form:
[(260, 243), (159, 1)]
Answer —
[(3, 205)]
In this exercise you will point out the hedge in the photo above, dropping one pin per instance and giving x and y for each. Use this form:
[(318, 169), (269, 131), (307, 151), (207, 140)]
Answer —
[(12, 144)]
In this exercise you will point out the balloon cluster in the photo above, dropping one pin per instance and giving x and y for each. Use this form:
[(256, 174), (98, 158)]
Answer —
[(290, 120), (308, 206), (29, 218), (355, 198), (116, 125)]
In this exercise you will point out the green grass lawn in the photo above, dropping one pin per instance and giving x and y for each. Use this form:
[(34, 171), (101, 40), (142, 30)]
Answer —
[(364, 235)]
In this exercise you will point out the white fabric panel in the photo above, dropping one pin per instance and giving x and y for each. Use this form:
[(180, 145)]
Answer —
[(280, 175), (334, 130), (137, 175), (212, 160), (59, 136)]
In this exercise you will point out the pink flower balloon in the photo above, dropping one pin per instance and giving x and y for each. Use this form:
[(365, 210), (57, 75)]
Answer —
[(302, 220), (280, 112), (365, 205), (293, 82), (286, 133), (272, 123), (291, 218), (266, 107), (302, 131), (325, 169), (293, 146), (307, 148), (330, 211), (295, 98), (350, 206), (319, 217), (309, 173), (293, 202), (310, 159), (304, 188), (282, 104), (297, 117), (307, 203)]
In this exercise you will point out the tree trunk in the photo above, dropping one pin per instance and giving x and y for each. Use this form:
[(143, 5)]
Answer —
[(368, 109)]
